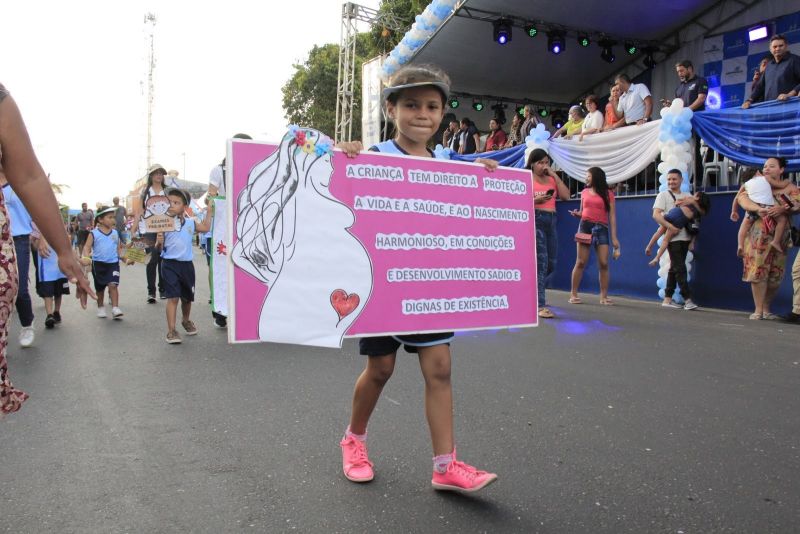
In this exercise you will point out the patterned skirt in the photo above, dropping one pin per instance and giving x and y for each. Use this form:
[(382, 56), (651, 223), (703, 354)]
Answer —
[(10, 398)]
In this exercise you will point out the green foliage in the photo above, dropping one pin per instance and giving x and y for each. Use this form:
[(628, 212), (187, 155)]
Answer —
[(309, 96)]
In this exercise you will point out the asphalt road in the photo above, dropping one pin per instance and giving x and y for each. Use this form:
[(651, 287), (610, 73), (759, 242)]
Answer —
[(632, 418)]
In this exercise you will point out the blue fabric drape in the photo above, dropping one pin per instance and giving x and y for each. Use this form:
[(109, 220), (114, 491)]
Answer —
[(508, 157), (750, 136)]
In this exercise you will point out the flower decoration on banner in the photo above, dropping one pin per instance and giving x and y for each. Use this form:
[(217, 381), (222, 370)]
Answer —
[(441, 152), (309, 141), (425, 25), (676, 153)]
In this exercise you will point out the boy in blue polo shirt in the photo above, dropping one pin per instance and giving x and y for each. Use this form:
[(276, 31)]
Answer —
[(177, 267), (102, 251)]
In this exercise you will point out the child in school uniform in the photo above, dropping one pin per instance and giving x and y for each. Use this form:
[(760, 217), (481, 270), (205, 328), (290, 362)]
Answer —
[(102, 251), (177, 267), (51, 284), (415, 100)]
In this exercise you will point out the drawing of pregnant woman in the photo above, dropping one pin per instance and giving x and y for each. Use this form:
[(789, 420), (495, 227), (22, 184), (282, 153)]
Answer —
[(293, 237)]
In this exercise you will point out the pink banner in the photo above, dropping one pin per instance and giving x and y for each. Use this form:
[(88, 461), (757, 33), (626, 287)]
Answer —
[(326, 246)]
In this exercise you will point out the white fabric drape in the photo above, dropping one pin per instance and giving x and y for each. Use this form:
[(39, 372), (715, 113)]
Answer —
[(621, 153)]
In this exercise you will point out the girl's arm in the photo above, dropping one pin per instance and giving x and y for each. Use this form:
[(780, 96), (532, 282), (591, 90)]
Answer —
[(612, 220), (86, 253), (658, 233), (735, 205), (561, 188), (488, 164), (350, 148), (203, 226)]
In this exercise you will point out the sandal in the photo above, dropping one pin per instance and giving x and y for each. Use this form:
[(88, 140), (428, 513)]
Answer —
[(756, 316), (545, 313), (575, 300), (767, 316), (607, 302)]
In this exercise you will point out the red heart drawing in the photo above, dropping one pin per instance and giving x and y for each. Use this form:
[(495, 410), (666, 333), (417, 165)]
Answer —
[(343, 303)]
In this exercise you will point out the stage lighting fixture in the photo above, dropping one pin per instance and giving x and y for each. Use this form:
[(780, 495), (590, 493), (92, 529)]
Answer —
[(555, 41), (649, 60), (558, 119), (543, 113), (531, 30), (453, 103), (521, 111), (608, 53), (502, 31), (477, 105), (583, 40), (758, 33), (499, 112), (630, 48)]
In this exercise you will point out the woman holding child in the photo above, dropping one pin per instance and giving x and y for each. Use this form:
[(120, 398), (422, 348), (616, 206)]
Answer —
[(764, 265)]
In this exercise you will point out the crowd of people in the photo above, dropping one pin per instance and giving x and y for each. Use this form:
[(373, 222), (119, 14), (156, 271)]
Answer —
[(415, 100)]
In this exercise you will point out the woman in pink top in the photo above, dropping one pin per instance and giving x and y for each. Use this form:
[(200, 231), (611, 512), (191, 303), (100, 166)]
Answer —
[(546, 187), (597, 215)]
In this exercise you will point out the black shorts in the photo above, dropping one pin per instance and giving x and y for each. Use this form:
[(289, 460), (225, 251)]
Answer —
[(82, 235), (383, 345), (105, 274), (178, 277), (53, 288)]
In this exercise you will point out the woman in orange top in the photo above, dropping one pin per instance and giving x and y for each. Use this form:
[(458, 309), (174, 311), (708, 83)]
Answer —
[(611, 115), (598, 215)]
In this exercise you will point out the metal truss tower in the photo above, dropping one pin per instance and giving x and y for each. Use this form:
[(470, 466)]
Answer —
[(345, 96)]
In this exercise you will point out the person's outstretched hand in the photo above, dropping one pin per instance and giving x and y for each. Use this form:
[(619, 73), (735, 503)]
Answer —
[(74, 273)]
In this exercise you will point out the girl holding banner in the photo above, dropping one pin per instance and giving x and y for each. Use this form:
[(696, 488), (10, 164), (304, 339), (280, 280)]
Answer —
[(546, 187), (415, 100)]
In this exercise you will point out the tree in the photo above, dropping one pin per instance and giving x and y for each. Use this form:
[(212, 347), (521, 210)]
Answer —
[(309, 96)]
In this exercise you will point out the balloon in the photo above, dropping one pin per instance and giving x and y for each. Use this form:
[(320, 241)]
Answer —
[(662, 272), (689, 257), (661, 283), (662, 179), (662, 167), (677, 105), (660, 240), (685, 187), (664, 111), (677, 298), (661, 293), (664, 261)]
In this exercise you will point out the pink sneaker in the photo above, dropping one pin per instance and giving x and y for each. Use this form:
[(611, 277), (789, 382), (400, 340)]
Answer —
[(355, 463), (462, 477)]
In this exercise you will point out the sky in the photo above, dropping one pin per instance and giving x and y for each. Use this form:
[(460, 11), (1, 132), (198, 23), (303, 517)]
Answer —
[(78, 72)]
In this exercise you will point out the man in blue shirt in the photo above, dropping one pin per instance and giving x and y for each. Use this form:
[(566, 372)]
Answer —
[(781, 78)]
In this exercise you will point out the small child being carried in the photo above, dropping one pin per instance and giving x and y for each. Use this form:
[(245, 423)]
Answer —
[(759, 190), (679, 217)]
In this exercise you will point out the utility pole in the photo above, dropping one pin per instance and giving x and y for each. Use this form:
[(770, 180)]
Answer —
[(150, 28)]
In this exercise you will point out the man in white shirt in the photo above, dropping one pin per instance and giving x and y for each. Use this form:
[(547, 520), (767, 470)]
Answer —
[(635, 102)]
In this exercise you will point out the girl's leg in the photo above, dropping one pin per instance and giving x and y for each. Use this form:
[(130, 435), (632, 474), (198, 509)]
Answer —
[(581, 257), (113, 295), (668, 235), (743, 229), (186, 309), (541, 261), (172, 312), (602, 267), (780, 228), (759, 296), (435, 364), (769, 296), (367, 391)]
